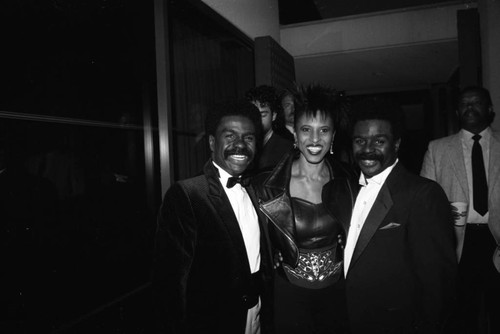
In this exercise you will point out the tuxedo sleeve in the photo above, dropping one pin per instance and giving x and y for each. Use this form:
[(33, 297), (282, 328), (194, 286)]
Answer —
[(432, 247), (175, 242)]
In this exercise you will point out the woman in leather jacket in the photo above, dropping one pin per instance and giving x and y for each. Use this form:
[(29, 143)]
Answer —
[(308, 199)]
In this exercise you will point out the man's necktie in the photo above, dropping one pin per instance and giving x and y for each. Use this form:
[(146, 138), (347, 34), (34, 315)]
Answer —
[(234, 179), (479, 184)]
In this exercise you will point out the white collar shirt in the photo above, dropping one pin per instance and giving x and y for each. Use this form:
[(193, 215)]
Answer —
[(473, 216), (364, 202), (249, 225)]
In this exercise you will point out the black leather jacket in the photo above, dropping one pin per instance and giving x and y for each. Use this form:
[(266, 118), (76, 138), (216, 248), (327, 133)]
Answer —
[(273, 190)]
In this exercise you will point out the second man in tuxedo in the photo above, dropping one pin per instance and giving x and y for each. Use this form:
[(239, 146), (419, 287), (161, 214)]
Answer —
[(400, 262)]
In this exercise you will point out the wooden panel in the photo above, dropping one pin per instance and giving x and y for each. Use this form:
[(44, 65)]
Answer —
[(274, 66)]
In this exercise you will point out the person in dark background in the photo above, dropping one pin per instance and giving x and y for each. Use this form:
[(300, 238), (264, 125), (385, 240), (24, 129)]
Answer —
[(450, 162), (285, 119), (399, 258), (307, 219), (211, 260), (274, 146)]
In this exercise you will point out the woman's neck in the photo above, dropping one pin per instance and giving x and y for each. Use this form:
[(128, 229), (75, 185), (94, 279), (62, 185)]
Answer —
[(303, 168)]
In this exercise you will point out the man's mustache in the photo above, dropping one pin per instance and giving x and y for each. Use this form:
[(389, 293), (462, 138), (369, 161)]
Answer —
[(238, 151), (470, 112), (369, 156)]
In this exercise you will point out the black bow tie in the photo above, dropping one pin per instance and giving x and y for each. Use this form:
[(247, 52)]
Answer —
[(233, 180)]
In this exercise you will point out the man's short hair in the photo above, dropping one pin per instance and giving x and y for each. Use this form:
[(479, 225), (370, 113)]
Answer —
[(379, 108), (477, 89), (233, 108), (265, 95), (286, 92), (293, 93)]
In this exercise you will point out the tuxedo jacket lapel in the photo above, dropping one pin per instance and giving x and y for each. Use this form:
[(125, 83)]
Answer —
[(220, 202), (379, 210)]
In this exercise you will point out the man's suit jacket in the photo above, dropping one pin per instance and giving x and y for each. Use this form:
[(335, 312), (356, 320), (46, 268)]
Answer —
[(444, 163), (201, 274), (401, 278)]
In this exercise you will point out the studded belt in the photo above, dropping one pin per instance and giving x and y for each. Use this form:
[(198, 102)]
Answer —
[(317, 268)]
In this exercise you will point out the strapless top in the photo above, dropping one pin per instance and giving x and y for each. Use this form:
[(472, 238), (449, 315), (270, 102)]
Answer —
[(320, 256), (315, 228)]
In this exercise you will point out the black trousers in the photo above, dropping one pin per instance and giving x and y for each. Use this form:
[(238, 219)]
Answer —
[(478, 307), (299, 310)]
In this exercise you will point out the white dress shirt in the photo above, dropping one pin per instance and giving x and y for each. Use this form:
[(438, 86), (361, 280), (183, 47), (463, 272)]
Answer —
[(364, 202), (248, 222), (467, 142)]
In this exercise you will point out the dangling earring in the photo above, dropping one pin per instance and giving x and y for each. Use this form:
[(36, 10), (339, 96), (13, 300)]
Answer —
[(331, 148), (295, 145)]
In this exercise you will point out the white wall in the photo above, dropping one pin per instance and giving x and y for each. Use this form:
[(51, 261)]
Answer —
[(489, 13), (255, 18), (371, 31)]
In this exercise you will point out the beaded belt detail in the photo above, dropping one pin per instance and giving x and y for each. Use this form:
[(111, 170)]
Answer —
[(314, 267)]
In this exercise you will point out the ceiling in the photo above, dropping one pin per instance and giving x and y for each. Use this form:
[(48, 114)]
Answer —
[(297, 11), (402, 68)]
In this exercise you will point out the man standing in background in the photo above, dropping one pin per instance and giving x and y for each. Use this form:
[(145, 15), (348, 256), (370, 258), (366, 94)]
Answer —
[(286, 118), (274, 146), (467, 166)]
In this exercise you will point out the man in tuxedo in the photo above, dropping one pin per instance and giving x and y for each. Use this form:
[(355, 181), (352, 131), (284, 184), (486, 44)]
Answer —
[(274, 146), (212, 261), (467, 166), (399, 258)]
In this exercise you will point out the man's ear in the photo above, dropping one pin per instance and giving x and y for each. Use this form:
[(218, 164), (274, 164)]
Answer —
[(397, 144), (274, 116), (211, 142)]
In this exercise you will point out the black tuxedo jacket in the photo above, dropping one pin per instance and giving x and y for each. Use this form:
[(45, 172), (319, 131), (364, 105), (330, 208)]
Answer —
[(402, 275), (201, 274)]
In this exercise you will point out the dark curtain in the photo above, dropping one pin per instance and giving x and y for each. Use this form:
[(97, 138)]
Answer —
[(209, 64)]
